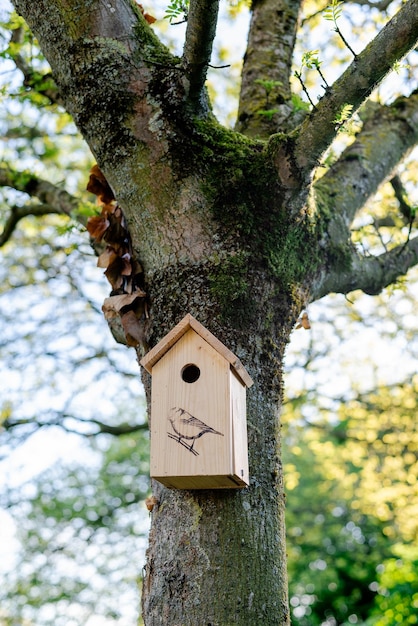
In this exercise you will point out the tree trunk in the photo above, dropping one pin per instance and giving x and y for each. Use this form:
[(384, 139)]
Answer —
[(218, 557), (218, 244)]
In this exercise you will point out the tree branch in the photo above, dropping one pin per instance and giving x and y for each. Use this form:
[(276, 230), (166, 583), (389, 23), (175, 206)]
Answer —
[(58, 420), (35, 187), (17, 213), (52, 199), (106, 60), (200, 33), (405, 208), (43, 84), (367, 70), (385, 139), (370, 274), (116, 431), (268, 59), (382, 5)]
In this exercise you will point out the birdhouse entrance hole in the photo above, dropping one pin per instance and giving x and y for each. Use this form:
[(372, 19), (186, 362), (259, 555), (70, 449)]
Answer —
[(190, 373)]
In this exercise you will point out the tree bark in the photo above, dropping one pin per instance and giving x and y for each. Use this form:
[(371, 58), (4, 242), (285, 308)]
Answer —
[(265, 99), (218, 557)]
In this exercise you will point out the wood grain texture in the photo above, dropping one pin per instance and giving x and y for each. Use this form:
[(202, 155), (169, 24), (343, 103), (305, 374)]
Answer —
[(153, 356), (198, 429)]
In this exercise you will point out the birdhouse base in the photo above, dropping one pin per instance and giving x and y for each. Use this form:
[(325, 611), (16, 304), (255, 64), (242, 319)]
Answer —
[(202, 482)]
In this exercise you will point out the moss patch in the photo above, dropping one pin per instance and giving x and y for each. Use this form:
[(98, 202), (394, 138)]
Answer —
[(230, 288), (248, 205)]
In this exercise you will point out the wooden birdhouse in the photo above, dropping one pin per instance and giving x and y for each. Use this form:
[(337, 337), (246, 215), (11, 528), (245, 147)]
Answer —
[(198, 411)]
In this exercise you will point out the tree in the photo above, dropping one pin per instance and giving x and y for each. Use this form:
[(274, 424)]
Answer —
[(237, 227), (397, 602), (345, 519), (81, 536)]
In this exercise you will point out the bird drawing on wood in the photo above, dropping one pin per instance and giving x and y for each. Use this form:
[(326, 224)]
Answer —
[(188, 428)]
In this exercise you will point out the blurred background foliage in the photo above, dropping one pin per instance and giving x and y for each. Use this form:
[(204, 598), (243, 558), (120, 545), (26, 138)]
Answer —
[(74, 442)]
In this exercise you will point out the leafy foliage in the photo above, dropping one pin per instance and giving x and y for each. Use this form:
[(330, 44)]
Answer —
[(310, 59), (351, 494), (397, 599), (344, 115), (177, 10), (333, 11), (81, 531)]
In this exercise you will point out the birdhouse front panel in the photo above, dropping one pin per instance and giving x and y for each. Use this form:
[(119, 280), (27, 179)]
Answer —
[(197, 418)]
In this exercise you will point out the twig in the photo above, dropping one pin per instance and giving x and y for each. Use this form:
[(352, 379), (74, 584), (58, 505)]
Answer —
[(299, 77)]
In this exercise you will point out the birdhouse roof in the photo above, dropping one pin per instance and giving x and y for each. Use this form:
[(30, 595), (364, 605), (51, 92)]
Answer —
[(187, 323)]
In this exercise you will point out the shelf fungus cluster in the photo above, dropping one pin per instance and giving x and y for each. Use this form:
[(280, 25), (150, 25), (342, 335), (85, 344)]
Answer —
[(126, 305)]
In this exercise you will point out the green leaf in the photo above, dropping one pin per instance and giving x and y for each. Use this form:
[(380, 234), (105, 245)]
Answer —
[(299, 104), (333, 12), (268, 84), (398, 66), (344, 114), (177, 9), (268, 113), (310, 59)]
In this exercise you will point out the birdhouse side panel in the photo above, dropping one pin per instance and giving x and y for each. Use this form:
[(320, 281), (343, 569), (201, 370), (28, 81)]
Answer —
[(239, 428), (191, 429)]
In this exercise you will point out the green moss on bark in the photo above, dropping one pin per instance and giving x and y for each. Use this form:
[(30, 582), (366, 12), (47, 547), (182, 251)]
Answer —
[(248, 205), (230, 288), (151, 48)]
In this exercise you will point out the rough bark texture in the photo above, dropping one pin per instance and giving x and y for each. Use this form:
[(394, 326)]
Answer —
[(229, 229), (265, 106), (218, 557)]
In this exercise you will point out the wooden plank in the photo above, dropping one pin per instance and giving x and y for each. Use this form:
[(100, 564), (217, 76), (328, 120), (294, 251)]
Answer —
[(223, 350), (201, 482), (239, 429)]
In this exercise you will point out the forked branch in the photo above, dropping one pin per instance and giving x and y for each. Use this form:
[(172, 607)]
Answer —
[(17, 213), (52, 199), (393, 42), (386, 138), (371, 274)]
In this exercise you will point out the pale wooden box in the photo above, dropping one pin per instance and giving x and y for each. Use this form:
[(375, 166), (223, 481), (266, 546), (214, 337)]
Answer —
[(198, 411)]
